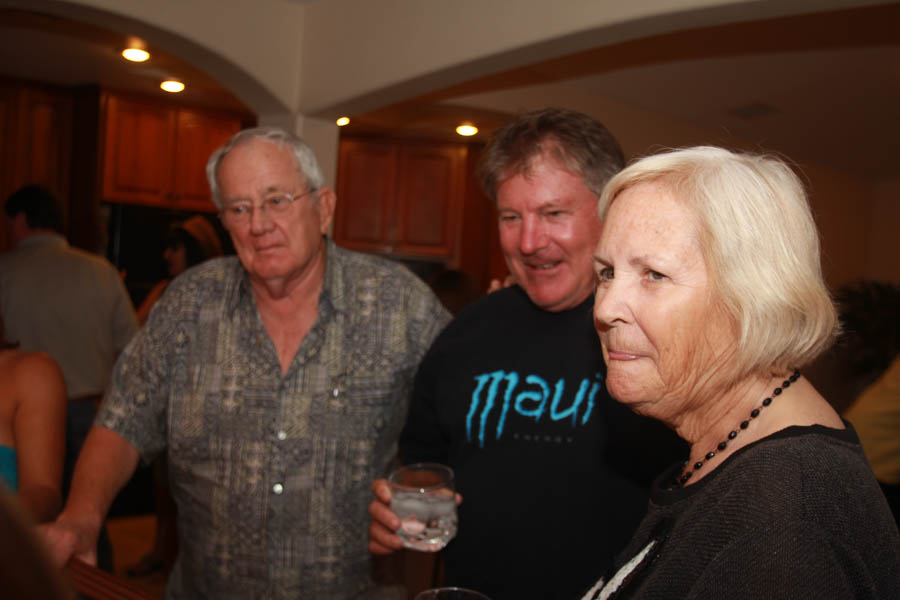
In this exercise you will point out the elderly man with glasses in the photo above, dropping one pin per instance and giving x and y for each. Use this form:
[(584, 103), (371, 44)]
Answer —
[(277, 382)]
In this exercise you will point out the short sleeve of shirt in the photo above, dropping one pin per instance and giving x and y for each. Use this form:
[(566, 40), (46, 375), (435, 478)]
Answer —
[(136, 401)]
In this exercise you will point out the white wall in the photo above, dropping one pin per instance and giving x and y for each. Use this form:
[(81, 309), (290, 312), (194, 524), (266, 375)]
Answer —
[(289, 61), (848, 222), (350, 55), (251, 47), (361, 54), (263, 37)]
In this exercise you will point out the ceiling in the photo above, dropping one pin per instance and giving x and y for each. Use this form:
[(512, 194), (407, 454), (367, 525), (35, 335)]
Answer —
[(823, 88), (50, 49)]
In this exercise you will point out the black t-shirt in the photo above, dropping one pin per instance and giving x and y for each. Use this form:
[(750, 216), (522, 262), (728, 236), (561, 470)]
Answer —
[(553, 472)]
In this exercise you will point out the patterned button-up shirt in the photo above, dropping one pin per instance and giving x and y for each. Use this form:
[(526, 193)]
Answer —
[(272, 473)]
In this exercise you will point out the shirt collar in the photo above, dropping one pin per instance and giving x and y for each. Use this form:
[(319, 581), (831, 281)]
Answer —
[(334, 287), (331, 298), (49, 238)]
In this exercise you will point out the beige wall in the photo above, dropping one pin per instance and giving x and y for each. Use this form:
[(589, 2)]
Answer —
[(279, 55), (857, 240), (360, 54), (251, 47), (884, 232), (288, 60), (842, 211)]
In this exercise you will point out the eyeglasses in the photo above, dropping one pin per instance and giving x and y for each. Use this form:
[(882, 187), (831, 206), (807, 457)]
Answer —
[(240, 213)]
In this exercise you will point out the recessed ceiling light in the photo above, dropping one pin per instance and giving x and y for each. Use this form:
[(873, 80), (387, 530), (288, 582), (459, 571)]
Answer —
[(342, 121), (467, 129), (135, 54), (171, 85)]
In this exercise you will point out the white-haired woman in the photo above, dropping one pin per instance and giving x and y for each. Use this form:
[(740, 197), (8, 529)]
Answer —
[(710, 299)]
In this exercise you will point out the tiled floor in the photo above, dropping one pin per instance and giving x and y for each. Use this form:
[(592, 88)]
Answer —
[(132, 538)]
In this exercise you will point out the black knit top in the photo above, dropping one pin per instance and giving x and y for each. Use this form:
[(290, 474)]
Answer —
[(797, 514)]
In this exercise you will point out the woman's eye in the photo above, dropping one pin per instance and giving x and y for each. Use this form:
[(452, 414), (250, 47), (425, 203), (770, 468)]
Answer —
[(655, 275), (606, 273)]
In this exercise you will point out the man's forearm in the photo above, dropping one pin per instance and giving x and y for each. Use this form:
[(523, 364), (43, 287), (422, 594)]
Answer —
[(104, 466)]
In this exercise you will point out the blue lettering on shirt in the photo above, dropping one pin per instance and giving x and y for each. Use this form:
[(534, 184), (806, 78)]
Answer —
[(530, 402)]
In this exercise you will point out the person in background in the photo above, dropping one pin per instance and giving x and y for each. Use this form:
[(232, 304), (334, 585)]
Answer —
[(26, 570), (190, 242), (276, 382), (32, 429), (553, 473), (868, 348), (710, 299), (455, 289), (876, 417), (68, 303)]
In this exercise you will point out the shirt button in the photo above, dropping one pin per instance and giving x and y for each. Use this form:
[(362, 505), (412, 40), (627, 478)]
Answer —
[(335, 393), (281, 435), (278, 488)]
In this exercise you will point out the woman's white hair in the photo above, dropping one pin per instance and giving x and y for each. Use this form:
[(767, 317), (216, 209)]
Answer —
[(302, 153), (761, 247)]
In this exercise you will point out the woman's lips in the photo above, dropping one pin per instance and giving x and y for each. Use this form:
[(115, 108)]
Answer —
[(621, 355)]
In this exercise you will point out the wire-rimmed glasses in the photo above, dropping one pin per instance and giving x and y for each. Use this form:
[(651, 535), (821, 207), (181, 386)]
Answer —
[(274, 205)]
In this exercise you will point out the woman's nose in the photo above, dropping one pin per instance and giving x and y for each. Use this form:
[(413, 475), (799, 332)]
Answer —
[(609, 304)]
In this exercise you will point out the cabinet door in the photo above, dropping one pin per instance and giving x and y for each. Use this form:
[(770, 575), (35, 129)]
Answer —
[(365, 196), (431, 182), (198, 134), (35, 143), (7, 152), (137, 164), (44, 141)]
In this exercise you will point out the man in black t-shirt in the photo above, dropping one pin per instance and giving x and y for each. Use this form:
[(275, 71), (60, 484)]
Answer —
[(511, 395)]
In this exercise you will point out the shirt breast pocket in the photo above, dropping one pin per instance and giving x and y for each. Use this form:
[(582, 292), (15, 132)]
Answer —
[(356, 425), (366, 405)]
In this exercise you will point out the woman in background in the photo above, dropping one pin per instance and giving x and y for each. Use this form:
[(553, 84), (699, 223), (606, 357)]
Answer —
[(32, 429), (189, 243), (869, 350), (710, 297)]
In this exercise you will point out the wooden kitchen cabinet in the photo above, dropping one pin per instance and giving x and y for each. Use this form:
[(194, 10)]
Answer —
[(401, 198), (155, 154), (35, 141)]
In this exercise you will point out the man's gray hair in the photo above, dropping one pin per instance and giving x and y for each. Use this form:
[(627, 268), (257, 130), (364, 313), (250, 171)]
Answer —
[(303, 155), (577, 142)]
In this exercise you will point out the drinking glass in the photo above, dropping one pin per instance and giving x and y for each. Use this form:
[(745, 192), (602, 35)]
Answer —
[(424, 499), (450, 593)]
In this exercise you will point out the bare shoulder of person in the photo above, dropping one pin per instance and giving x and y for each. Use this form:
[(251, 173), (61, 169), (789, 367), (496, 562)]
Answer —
[(36, 371)]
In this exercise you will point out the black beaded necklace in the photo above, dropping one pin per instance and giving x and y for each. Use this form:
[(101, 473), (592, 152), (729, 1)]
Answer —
[(681, 480)]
